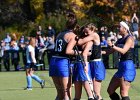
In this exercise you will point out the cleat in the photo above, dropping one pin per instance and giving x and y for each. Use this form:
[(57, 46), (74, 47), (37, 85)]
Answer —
[(42, 84), (29, 89), (91, 99)]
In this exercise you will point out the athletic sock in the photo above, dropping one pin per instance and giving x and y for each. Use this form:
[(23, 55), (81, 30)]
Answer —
[(126, 98), (29, 81), (115, 96), (36, 78)]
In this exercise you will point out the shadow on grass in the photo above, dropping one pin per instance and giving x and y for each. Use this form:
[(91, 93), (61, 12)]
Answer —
[(23, 88)]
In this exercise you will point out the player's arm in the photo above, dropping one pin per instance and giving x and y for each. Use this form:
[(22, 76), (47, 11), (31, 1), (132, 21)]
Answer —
[(86, 54), (127, 46), (110, 50), (71, 43), (85, 40)]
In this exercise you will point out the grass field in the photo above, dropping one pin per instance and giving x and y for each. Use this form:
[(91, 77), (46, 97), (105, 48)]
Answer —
[(12, 86)]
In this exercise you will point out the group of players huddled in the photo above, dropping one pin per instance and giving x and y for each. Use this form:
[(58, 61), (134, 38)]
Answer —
[(78, 59)]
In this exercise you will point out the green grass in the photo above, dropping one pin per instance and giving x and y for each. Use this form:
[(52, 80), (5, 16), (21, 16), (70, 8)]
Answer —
[(13, 83)]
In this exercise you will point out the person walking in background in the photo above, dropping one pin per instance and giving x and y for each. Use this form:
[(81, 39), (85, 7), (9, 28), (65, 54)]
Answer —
[(30, 66), (126, 70)]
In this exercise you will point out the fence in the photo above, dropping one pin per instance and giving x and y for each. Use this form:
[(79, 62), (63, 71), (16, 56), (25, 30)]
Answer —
[(110, 61)]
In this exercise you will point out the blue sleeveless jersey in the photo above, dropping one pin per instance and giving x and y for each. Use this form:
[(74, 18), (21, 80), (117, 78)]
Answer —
[(126, 67)]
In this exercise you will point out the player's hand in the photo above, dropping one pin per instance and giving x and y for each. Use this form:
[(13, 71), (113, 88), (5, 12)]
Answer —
[(86, 67), (109, 43), (103, 52)]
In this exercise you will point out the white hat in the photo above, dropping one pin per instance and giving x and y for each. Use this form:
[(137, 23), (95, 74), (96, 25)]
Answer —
[(122, 23)]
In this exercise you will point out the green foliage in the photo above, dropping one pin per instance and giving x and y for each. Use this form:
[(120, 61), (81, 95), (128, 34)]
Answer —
[(25, 15)]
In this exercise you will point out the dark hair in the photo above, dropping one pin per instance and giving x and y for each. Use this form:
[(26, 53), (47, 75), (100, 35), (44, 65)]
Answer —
[(71, 20)]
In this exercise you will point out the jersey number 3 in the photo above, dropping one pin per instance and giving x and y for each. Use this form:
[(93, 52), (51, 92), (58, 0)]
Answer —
[(59, 45)]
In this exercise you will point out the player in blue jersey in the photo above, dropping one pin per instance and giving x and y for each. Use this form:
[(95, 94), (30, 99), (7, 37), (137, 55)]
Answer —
[(60, 63), (96, 65), (31, 62), (126, 71), (81, 73)]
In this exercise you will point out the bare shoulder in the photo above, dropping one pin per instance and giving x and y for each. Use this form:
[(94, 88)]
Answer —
[(95, 36), (69, 36), (130, 38)]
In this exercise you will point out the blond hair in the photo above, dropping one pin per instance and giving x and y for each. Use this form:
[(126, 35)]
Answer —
[(91, 26)]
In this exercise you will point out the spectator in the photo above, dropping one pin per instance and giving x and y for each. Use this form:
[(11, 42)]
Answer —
[(106, 32), (136, 53), (51, 32), (6, 56), (103, 42), (1, 53), (135, 25), (104, 56), (40, 31), (101, 32), (22, 40), (50, 47), (41, 51), (15, 55), (7, 38)]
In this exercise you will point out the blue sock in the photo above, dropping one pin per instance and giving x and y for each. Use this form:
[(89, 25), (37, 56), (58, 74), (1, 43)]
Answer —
[(35, 77), (29, 81)]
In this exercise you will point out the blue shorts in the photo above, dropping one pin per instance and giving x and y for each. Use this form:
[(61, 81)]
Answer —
[(127, 70), (97, 70), (71, 68), (59, 67), (79, 73)]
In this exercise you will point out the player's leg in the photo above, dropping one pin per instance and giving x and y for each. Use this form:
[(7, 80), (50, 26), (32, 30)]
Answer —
[(124, 89), (65, 88), (37, 78), (78, 90), (113, 85), (58, 87), (29, 79), (97, 87)]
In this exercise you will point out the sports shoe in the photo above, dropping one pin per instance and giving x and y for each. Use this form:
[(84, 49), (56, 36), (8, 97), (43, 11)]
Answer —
[(27, 88), (91, 99), (42, 84)]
